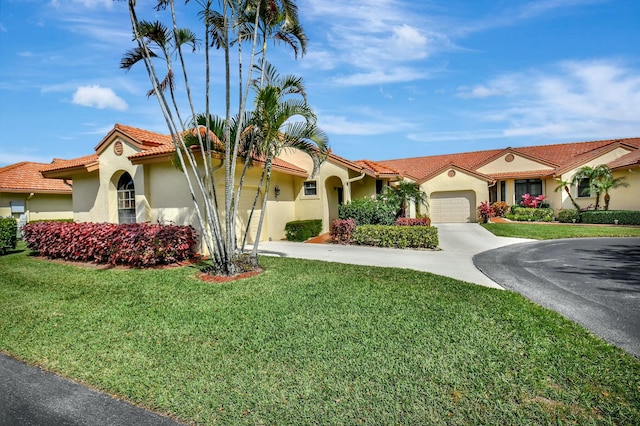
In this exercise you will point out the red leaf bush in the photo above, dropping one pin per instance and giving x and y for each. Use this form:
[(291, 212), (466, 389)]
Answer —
[(342, 230), (410, 221), (136, 244)]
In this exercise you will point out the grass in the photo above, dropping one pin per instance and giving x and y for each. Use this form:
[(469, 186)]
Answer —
[(310, 342), (538, 231)]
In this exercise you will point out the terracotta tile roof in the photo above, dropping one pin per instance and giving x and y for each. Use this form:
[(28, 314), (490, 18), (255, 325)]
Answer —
[(558, 154), (26, 177), (145, 137), (420, 167), (632, 159), (378, 169), (80, 162)]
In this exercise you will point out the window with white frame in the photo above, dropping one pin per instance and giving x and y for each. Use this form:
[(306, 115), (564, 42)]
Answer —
[(126, 199), (310, 188)]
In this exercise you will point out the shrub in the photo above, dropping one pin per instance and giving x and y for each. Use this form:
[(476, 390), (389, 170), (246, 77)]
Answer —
[(485, 210), (624, 217), (568, 216), (8, 234), (302, 230), (524, 214), (397, 236), (136, 244), (500, 208), (367, 211), (534, 202), (408, 221), (342, 230)]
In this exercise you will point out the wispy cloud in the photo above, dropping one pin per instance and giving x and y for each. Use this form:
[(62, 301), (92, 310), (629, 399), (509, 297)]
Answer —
[(572, 99), (98, 97)]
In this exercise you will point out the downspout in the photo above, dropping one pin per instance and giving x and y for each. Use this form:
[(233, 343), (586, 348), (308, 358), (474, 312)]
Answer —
[(347, 184)]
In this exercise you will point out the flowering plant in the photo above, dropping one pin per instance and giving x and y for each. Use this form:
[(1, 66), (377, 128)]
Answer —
[(485, 210), (529, 201)]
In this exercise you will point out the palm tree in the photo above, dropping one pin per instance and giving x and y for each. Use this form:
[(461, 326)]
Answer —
[(283, 122), (402, 193), (608, 183), (594, 175), (564, 185)]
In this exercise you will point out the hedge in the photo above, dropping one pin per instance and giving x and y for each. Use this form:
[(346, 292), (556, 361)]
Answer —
[(136, 244), (568, 216), (624, 217), (368, 211), (8, 234), (302, 230), (410, 221), (524, 214), (397, 236)]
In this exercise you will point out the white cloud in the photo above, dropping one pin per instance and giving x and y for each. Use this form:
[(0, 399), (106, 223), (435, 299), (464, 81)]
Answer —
[(98, 97), (91, 4), (341, 125), (573, 99), (401, 74)]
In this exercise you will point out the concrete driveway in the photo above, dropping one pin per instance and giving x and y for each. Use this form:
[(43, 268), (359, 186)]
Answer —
[(594, 282), (459, 242)]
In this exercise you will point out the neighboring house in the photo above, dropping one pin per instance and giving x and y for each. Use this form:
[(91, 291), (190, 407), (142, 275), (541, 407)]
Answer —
[(457, 183), (131, 178), (27, 196)]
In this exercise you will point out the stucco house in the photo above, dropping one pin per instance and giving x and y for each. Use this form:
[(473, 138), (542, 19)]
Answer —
[(457, 183), (131, 178), (27, 196)]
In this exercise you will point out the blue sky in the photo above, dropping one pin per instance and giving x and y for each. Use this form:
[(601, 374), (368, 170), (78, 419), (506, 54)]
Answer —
[(387, 78)]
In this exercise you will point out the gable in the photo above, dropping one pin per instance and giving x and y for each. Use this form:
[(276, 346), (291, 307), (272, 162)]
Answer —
[(513, 162)]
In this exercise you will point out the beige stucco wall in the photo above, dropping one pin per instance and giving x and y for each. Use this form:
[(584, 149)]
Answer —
[(519, 164), (460, 182), (39, 206), (583, 202), (626, 198)]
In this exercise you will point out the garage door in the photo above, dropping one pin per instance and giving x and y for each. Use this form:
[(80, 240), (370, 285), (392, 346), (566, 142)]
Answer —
[(453, 206)]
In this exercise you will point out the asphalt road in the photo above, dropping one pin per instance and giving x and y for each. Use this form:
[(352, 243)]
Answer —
[(594, 282), (31, 396)]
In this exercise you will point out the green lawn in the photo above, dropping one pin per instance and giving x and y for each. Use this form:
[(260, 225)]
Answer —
[(310, 342), (554, 231)]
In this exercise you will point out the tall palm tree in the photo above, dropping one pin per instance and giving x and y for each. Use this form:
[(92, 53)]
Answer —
[(608, 183), (564, 185), (283, 120)]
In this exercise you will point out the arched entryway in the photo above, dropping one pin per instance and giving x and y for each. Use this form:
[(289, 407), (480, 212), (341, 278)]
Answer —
[(335, 196), (126, 199)]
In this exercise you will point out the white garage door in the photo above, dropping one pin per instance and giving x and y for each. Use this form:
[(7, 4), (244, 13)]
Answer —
[(453, 206)]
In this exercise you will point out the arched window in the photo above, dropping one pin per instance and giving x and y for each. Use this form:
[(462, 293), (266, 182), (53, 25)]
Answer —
[(126, 199)]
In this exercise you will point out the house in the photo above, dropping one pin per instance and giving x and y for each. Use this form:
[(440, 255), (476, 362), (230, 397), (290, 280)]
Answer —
[(457, 183), (131, 178), (26, 195)]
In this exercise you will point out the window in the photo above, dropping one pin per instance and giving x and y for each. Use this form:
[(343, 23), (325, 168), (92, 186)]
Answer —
[(126, 199), (584, 189), (379, 186), (503, 190), (532, 187), (310, 188)]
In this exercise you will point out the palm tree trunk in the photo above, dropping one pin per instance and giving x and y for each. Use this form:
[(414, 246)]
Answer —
[(573, 201), (254, 252)]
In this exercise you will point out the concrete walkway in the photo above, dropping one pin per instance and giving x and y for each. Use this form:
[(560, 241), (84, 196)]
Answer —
[(459, 242)]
